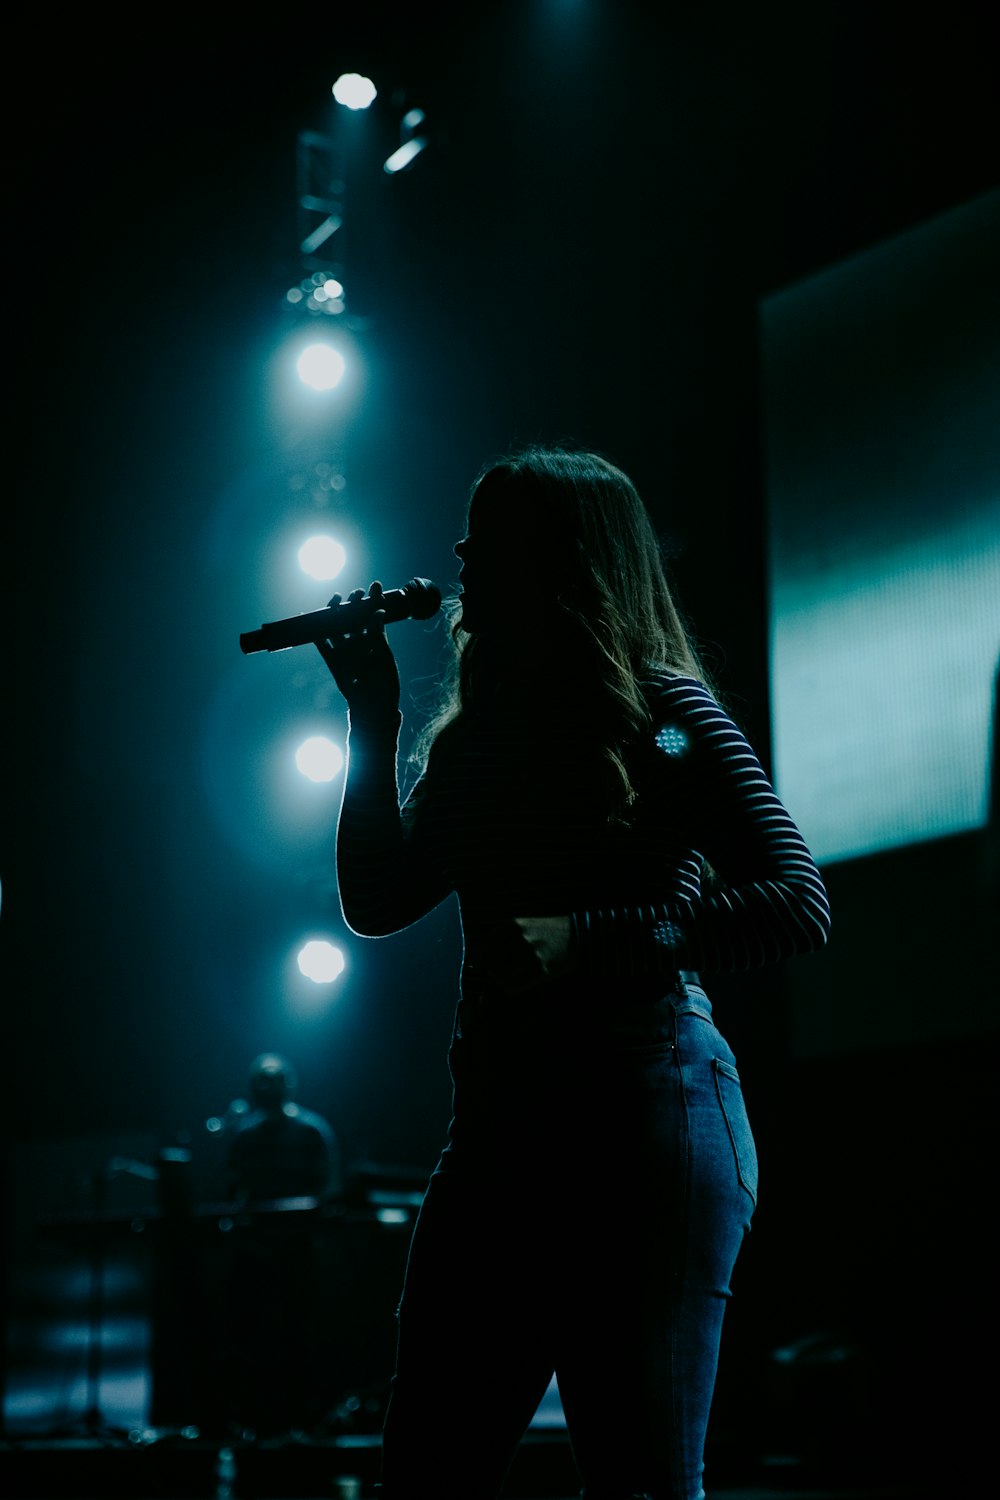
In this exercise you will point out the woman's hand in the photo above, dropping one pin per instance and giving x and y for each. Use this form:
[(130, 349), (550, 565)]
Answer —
[(362, 664), (522, 953)]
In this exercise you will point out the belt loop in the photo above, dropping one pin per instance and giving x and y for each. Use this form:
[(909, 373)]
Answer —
[(684, 1002)]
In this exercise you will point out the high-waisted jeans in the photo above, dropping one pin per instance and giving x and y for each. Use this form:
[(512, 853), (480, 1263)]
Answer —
[(583, 1221)]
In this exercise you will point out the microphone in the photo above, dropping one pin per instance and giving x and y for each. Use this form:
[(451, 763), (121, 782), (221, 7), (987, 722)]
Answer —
[(417, 600)]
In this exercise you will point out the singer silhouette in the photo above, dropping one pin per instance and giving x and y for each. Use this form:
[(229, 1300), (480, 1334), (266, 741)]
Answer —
[(611, 836)]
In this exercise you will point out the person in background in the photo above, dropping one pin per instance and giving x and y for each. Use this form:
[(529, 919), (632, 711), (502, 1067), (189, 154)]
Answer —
[(614, 842), (278, 1148), (275, 1331)]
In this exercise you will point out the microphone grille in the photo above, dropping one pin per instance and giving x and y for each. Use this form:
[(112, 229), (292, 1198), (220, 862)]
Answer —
[(425, 598)]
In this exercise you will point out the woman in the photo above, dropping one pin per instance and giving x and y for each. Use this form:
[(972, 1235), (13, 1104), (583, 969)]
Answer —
[(611, 838)]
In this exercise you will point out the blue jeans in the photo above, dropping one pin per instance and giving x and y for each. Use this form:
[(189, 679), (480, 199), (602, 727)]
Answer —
[(583, 1221)]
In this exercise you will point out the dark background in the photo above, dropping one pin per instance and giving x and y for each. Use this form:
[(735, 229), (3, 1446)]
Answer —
[(608, 194)]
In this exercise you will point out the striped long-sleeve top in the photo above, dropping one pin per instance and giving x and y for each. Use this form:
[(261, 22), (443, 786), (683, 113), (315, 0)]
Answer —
[(513, 834)]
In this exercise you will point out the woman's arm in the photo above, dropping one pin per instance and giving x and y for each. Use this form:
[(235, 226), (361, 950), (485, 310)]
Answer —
[(389, 864), (388, 868), (767, 900)]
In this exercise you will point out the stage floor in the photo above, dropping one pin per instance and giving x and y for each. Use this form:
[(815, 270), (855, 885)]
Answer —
[(171, 1467)]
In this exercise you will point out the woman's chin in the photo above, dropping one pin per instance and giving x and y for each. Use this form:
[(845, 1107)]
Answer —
[(482, 619)]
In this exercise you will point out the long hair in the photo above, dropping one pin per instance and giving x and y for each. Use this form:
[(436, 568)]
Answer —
[(611, 623)]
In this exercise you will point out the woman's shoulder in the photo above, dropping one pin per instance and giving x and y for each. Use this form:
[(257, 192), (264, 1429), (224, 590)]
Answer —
[(684, 711), (663, 687)]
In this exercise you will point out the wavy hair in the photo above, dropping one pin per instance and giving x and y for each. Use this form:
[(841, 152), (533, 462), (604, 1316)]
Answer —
[(611, 625)]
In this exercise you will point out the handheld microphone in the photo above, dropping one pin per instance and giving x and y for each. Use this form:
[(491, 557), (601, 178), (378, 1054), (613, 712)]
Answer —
[(417, 600)]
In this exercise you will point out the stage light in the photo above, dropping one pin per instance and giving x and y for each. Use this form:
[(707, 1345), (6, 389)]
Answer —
[(393, 1215), (354, 91), (320, 961), (672, 740), (319, 759), (322, 557), (319, 293), (321, 367), (411, 143), (328, 296), (404, 155)]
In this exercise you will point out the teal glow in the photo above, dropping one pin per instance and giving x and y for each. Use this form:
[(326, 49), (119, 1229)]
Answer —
[(883, 492)]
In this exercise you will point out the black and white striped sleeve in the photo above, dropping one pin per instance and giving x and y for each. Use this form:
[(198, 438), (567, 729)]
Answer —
[(766, 901)]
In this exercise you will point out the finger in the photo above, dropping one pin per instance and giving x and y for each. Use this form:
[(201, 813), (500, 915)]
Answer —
[(332, 604)]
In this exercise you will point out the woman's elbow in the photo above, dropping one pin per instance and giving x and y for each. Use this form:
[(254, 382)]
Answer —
[(818, 926), (366, 923)]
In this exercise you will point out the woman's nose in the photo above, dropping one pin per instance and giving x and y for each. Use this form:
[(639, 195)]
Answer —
[(460, 547)]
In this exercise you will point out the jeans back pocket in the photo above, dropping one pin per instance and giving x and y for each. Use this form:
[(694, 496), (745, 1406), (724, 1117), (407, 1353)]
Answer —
[(730, 1092)]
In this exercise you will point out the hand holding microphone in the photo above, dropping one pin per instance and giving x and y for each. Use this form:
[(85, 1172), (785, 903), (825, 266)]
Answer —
[(351, 639), (361, 662), (417, 600)]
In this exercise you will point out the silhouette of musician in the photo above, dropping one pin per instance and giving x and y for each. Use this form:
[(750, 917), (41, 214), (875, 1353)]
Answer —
[(284, 1168), (278, 1148)]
